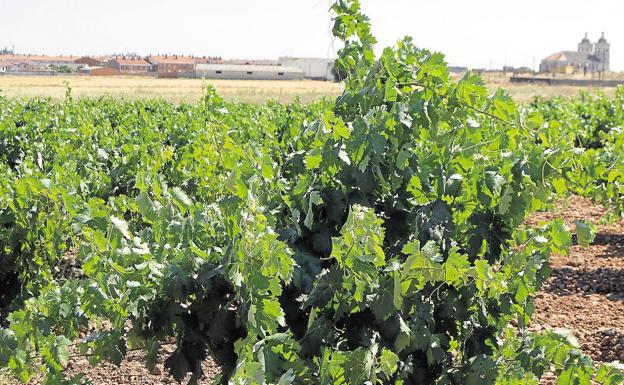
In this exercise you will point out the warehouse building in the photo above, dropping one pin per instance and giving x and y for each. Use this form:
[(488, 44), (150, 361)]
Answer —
[(248, 72), (313, 68)]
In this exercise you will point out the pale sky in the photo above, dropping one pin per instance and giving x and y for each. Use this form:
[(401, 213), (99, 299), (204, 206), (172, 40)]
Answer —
[(475, 33)]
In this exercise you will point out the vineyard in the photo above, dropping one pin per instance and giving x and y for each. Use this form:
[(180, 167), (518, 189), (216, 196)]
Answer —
[(396, 235)]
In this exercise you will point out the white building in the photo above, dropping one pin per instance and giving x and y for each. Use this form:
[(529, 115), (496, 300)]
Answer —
[(589, 57), (313, 68), (248, 71)]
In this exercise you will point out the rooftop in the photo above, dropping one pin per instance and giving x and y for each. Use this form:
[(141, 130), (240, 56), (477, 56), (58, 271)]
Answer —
[(570, 56), (132, 62), (248, 68), (171, 59), (38, 58)]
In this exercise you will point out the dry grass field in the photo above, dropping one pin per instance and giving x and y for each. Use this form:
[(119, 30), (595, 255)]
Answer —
[(177, 90), (255, 91), (527, 92)]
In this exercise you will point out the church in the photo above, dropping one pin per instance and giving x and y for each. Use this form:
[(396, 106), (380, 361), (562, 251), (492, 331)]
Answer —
[(590, 57)]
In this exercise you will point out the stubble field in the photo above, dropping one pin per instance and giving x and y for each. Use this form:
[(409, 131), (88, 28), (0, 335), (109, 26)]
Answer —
[(250, 91), (175, 90)]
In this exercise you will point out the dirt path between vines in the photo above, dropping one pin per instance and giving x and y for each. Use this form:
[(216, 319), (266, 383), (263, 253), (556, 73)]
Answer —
[(584, 294)]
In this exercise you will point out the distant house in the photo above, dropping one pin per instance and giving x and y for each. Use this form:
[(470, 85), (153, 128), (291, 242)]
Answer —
[(90, 61), (131, 66), (208, 60), (313, 68), (171, 65), (589, 57), (4, 66), (248, 72), (42, 62), (99, 71)]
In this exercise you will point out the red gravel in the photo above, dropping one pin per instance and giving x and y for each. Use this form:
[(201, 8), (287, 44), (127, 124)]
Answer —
[(132, 371), (586, 290)]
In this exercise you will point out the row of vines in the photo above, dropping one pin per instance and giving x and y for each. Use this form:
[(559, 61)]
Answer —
[(374, 239)]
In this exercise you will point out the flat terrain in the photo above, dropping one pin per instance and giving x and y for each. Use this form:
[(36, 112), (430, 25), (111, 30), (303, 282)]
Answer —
[(176, 90), (254, 91), (526, 92), (585, 294)]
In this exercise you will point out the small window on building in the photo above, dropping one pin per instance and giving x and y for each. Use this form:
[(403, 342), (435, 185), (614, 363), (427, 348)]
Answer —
[(280, 73), (249, 73), (218, 72)]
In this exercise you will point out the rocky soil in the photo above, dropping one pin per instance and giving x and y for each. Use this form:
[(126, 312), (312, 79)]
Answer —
[(132, 370), (585, 292)]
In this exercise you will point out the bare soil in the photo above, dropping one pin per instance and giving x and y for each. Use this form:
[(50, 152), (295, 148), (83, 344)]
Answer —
[(132, 370), (585, 292)]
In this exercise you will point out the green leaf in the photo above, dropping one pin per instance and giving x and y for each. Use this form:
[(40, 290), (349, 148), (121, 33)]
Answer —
[(389, 362), (456, 268), (341, 130), (121, 226), (61, 350), (391, 92), (357, 366), (494, 182), (146, 207), (560, 236), (313, 199), (560, 185), (181, 199), (287, 378), (403, 339), (585, 233), (313, 160)]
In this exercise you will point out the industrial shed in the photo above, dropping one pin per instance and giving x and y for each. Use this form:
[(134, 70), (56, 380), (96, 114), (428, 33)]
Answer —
[(247, 71), (313, 68)]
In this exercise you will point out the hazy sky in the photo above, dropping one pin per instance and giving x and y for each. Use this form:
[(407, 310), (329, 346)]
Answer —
[(475, 33)]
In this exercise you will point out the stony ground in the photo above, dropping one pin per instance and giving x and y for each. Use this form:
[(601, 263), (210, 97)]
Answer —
[(133, 371), (584, 294)]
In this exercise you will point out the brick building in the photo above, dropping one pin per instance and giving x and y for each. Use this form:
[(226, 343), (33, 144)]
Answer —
[(170, 65), (131, 66)]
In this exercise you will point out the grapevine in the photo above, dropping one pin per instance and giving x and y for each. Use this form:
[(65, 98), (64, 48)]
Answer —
[(377, 238)]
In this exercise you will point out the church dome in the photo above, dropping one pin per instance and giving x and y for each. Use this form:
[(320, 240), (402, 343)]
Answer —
[(602, 39), (586, 39)]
